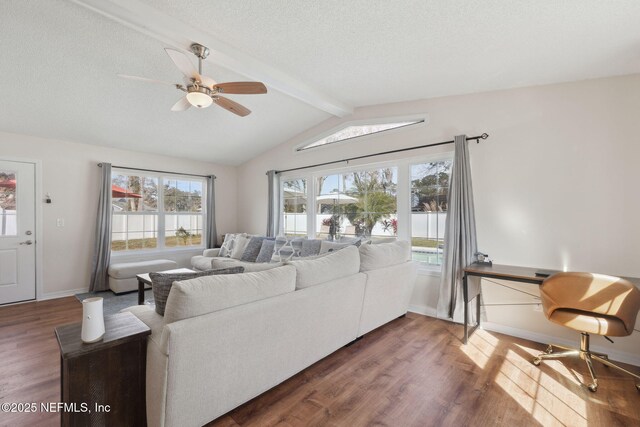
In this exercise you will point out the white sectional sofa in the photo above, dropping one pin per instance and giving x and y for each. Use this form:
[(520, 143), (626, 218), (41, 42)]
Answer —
[(226, 339)]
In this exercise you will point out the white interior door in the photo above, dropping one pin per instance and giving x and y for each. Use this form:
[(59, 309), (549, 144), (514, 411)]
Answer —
[(17, 232)]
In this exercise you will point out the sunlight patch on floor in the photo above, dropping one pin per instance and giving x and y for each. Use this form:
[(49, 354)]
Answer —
[(480, 347), (560, 367), (543, 397)]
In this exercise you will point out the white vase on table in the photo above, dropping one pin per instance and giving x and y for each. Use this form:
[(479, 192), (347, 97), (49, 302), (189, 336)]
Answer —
[(92, 320)]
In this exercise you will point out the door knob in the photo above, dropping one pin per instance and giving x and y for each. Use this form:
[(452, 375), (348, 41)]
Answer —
[(28, 242)]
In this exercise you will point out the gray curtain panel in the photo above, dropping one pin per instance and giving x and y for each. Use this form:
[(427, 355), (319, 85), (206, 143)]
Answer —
[(460, 231), (211, 239), (273, 213), (102, 248)]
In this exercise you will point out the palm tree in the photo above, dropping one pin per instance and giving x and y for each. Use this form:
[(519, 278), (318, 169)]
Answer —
[(375, 202)]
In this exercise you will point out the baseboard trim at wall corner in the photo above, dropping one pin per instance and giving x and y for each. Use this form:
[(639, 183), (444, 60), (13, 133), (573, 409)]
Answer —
[(423, 309), (61, 294), (619, 356)]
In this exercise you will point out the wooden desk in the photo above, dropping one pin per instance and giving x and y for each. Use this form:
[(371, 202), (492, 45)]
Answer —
[(505, 272), (495, 271)]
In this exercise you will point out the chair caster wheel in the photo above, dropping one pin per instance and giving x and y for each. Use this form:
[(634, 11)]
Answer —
[(638, 387), (549, 349), (536, 361), (592, 387)]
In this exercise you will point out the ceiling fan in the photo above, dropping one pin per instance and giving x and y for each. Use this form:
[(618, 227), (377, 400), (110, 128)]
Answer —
[(202, 91)]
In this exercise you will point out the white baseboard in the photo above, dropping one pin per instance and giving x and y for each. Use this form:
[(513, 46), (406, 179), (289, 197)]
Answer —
[(423, 309), (619, 356), (62, 294)]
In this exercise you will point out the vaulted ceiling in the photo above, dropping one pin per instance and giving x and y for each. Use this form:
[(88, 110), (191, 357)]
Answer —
[(60, 61)]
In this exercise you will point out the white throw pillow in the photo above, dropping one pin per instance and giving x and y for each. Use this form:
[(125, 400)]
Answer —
[(373, 257), (310, 272), (239, 245)]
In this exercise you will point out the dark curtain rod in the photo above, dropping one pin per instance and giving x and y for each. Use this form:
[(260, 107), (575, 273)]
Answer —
[(157, 171), (400, 150)]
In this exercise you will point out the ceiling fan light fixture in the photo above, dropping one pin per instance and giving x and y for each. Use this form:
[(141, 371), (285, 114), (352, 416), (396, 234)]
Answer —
[(199, 99)]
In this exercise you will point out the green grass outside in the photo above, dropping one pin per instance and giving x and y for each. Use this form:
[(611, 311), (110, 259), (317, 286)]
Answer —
[(152, 243), (424, 242)]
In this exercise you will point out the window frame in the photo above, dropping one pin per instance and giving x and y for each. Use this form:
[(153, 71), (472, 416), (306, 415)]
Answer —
[(403, 195), (424, 118), (161, 213), (293, 177)]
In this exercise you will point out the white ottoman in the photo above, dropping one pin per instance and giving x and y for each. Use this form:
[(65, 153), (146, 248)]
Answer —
[(122, 276)]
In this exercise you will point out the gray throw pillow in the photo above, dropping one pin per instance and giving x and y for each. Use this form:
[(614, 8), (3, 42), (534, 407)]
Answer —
[(252, 250), (266, 250), (161, 283), (310, 248)]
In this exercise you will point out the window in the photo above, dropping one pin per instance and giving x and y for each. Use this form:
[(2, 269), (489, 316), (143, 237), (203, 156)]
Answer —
[(358, 203), (155, 212), (294, 197), (429, 199), (356, 131), (365, 202), (8, 222)]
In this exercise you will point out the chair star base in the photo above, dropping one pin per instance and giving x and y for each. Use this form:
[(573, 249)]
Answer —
[(585, 354)]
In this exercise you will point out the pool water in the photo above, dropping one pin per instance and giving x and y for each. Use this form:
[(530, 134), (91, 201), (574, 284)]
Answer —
[(428, 257)]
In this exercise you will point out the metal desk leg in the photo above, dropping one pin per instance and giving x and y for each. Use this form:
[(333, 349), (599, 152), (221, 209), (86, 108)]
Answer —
[(478, 302), (140, 292), (465, 297)]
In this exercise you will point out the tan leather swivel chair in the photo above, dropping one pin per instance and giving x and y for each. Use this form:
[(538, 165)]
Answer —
[(591, 304)]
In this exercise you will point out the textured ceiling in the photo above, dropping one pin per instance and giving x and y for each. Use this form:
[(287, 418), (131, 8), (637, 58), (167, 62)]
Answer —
[(59, 80), (368, 52), (60, 60)]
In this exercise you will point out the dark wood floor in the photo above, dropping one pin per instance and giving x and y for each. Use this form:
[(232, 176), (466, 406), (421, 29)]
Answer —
[(412, 372)]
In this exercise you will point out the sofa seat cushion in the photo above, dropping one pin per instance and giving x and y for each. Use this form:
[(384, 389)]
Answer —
[(373, 257), (127, 270), (310, 272), (201, 263), (162, 283), (202, 295)]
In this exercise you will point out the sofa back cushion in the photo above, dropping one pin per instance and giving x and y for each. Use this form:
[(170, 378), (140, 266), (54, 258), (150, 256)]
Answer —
[(207, 294), (310, 272), (162, 282), (373, 257)]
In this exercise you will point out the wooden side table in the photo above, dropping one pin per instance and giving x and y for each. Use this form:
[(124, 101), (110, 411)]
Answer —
[(104, 382)]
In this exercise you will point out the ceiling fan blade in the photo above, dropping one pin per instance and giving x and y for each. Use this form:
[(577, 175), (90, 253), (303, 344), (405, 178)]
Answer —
[(247, 88), (184, 64), (232, 106), (144, 79), (181, 105)]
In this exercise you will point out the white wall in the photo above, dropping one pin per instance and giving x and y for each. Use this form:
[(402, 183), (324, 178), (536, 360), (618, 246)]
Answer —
[(556, 184), (70, 175)]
